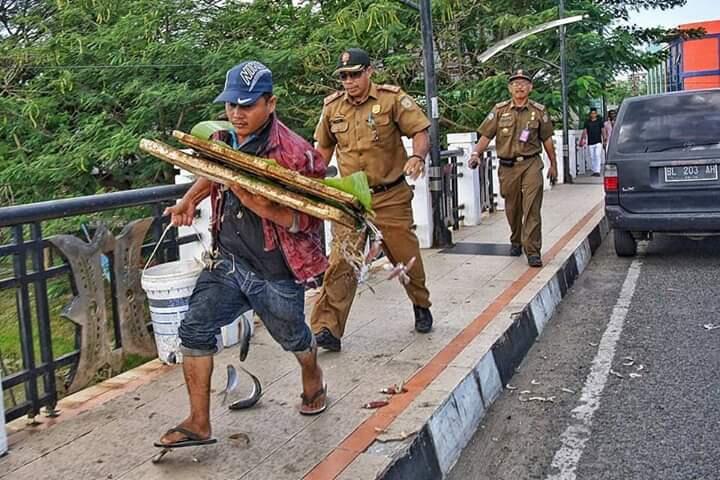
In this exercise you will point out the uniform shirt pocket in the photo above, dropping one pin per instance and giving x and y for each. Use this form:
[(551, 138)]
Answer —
[(384, 127), (382, 119), (339, 128), (506, 126)]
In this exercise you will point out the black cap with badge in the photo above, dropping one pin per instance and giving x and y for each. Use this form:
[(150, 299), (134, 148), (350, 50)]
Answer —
[(352, 60), (520, 75)]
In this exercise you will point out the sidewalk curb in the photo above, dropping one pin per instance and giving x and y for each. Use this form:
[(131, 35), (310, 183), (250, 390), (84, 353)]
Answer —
[(438, 444)]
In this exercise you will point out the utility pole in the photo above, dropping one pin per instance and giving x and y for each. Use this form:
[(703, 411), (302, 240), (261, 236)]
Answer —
[(441, 233), (564, 94)]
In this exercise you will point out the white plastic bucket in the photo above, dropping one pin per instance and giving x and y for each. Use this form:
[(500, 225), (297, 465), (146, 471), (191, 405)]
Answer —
[(168, 287)]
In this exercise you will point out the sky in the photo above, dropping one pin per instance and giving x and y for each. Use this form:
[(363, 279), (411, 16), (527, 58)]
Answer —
[(693, 11)]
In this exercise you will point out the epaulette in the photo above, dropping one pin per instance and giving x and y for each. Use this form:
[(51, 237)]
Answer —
[(502, 104), (537, 105), (389, 88), (331, 98)]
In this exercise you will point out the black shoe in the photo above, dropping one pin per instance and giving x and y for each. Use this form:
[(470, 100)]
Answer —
[(423, 319), (327, 340), (515, 250), (596, 174), (535, 261)]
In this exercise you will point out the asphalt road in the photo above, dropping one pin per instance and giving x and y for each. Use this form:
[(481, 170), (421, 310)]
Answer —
[(632, 372)]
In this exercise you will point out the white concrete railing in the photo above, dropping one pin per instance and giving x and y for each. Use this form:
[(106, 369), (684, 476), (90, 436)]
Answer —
[(468, 188)]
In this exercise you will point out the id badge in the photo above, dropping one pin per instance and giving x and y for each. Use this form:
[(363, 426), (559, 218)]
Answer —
[(524, 135)]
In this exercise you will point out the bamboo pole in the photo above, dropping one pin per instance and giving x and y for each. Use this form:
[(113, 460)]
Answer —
[(221, 174), (271, 170)]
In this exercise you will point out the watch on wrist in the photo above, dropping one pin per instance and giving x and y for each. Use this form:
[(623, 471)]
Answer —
[(418, 157)]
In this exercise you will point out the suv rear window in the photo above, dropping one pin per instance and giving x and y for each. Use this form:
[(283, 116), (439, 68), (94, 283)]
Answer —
[(671, 122)]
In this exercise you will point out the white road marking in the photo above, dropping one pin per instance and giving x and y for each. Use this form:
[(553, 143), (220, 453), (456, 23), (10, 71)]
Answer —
[(577, 434)]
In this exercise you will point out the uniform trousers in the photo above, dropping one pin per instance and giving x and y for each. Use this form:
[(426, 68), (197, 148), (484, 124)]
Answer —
[(522, 188), (394, 219)]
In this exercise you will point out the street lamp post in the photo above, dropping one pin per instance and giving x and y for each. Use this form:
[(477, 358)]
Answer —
[(564, 93), (441, 233)]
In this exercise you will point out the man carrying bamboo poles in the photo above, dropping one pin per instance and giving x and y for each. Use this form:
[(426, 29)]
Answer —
[(363, 125), (265, 254)]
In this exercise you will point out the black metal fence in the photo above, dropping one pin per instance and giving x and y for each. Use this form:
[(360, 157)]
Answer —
[(24, 264)]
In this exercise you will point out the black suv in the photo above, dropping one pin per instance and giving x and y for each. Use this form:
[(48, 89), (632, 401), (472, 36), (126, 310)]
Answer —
[(661, 173)]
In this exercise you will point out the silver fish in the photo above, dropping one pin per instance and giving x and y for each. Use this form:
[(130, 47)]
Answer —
[(233, 381)]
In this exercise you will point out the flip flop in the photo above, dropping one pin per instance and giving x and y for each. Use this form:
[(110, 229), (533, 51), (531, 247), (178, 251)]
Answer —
[(308, 401), (192, 440)]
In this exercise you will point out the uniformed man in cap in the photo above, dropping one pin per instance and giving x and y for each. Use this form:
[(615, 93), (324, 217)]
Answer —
[(521, 127), (363, 124)]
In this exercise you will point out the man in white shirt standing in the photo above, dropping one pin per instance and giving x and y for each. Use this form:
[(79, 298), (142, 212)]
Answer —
[(594, 136)]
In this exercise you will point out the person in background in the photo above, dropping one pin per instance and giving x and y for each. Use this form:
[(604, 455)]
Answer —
[(609, 124), (594, 137), (521, 128)]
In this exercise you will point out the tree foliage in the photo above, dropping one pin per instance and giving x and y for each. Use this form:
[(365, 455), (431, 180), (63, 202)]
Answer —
[(81, 81)]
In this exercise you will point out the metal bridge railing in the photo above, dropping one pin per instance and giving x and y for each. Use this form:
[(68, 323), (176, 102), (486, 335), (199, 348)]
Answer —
[(31, 383)]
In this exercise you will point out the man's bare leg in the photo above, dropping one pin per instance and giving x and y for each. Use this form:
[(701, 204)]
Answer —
[(197, 372), (312, 379)]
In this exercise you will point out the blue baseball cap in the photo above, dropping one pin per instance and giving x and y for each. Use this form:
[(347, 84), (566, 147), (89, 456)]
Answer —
[(245, 83)]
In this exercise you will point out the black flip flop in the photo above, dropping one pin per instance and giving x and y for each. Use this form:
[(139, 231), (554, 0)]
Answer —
[(310, 400), (192, 440)]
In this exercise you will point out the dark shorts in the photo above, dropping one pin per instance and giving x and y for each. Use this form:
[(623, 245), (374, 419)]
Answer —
[(226, 291)]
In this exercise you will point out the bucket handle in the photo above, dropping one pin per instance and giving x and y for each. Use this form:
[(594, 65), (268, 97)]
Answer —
[(162, 237)]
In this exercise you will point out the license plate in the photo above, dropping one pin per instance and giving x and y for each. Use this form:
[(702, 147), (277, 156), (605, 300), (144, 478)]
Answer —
[(691, 173)]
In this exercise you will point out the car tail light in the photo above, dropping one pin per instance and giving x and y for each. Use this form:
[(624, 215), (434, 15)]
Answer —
[(610, 179)]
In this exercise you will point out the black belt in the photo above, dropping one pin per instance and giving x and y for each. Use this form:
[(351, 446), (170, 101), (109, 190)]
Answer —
[(509, 162), (387, 186)]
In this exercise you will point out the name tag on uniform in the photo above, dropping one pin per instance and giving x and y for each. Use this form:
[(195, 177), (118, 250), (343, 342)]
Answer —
[(524, 135)]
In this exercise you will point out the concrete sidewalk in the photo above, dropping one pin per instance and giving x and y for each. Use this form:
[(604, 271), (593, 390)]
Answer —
[(481, 305)]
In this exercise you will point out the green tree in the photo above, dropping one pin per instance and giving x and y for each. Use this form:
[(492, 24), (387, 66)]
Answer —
[(82, 81)]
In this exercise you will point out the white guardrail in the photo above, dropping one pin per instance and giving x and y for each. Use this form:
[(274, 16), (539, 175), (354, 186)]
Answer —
[(468, 188)]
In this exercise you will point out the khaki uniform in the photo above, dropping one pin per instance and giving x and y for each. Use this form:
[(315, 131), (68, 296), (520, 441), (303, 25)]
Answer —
[(520, 171), (367, 137)]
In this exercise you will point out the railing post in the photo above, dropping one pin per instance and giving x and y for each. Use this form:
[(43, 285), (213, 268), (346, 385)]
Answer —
[(422, 202), (558, 142), (43, 319), (25, 320), (493, 167), (468, 181)]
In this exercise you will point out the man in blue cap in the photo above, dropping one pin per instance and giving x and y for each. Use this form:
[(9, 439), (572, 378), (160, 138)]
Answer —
[(264, 253)]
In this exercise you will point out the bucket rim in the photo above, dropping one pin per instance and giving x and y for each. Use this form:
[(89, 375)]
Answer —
[(196, 267)]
